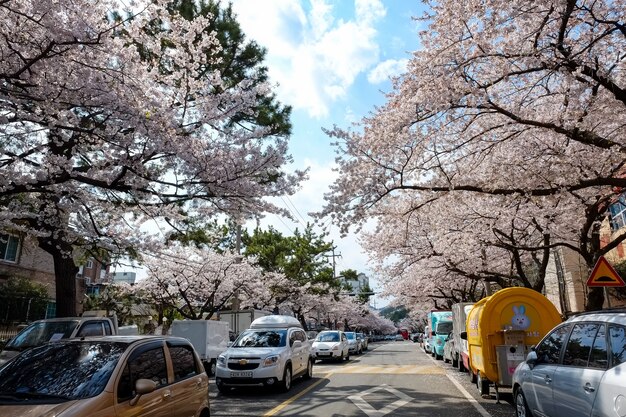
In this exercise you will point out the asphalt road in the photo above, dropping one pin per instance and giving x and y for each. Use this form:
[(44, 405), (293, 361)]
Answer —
[(392, 379)]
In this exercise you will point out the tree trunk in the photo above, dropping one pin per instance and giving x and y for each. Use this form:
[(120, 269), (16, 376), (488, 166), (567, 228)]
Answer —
[(65, 271), (66, 295), (595, 299)]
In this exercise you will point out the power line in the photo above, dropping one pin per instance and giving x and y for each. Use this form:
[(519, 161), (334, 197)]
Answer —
[(296, 209)]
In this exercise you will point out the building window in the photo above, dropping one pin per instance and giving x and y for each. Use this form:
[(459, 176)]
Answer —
[(9, 245), (89, 264), (618, 214)]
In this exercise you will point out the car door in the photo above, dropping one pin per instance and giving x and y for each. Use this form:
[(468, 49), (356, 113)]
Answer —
[(296, 351), (145, 362), (538, 385), (610, 397), (576, 381), (345, 345), (190, 385)]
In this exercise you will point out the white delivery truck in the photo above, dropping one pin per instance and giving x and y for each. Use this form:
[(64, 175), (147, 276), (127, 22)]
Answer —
[(240, 320), (460, 354), (208, 337)]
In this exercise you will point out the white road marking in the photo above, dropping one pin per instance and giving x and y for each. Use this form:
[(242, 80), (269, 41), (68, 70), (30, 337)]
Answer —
[(370, 411), (467, 395)]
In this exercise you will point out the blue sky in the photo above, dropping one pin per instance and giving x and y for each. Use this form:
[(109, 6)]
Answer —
[(331, 61)]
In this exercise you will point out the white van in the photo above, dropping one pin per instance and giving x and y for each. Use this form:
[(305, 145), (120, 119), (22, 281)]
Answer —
[(272, 352)]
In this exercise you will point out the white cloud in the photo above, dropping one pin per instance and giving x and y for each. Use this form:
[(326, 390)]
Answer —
[(313, 55), (386, 69)]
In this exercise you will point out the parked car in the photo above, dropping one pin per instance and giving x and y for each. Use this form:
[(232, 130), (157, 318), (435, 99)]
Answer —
[(110, 375), (427, 347), (40, 332), (354, 343), (577, 369), (331, 344), (364, 340), (398, 338), (271, 353), (448, 348)]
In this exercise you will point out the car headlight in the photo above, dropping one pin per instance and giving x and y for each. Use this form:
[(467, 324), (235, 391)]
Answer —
[(221, 360), (336, 347), (270, 361), (439, 342)]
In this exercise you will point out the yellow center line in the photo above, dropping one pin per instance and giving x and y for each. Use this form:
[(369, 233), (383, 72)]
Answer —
[(285, 403)]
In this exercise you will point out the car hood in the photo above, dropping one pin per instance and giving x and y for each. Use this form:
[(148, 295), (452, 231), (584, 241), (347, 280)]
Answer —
[(35, 410), (252, 352), (325, 345)]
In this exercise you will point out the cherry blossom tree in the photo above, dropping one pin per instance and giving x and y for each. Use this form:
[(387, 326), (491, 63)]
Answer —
[(106, 125), (506, 105), (199, 282)]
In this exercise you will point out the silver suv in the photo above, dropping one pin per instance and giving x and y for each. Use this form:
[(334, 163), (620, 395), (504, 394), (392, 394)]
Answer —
[(576, 370)]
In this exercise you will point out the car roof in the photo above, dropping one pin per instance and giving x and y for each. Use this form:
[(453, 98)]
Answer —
[(617, 315), (275, 322), (129, 339)]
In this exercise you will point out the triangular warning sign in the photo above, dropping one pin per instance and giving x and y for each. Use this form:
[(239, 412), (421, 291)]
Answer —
[(603, 275)]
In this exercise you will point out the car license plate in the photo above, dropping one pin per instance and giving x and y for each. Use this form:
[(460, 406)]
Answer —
[(241, 374), (323, 353)]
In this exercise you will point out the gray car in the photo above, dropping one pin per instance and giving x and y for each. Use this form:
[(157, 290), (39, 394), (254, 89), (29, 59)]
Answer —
[(578, 369)]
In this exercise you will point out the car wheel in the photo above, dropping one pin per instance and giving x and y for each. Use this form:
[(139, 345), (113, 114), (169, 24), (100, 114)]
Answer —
[(285, 384), (348, 356), (342, 357), (455, 362), (521, 407), (446, 360), (482, 384), (309, 369), (461, 365), (439, 357), (472, 375), (223, 388)]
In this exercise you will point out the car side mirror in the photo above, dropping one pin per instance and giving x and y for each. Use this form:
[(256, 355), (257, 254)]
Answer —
[(229, 344), (142, 387), (531, 358), (464, 335)]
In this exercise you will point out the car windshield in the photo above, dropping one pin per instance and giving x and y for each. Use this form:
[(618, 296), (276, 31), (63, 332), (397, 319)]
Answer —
[(60, 371), (261, 338), (350, 335), (327, 337), (444, 327), (39, 333)]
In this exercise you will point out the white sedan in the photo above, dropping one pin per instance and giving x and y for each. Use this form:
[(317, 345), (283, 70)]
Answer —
[(331, 344)]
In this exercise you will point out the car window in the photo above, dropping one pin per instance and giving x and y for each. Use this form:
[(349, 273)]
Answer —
[(549, 349), (327, 337), (301, 336), (39, 333), (92, 328), (54, 371), (599, 357), (344, 338), (617, 338), (579, 344), (148, 364), (183, 362), (261, 338), (107, 328)]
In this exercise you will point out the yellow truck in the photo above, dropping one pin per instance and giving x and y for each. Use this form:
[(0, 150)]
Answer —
[(501, 329)]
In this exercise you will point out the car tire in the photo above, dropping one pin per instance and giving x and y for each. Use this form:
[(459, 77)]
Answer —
[(472, 375), (438, 357), (309, 369), (223, 389), (461, 365), (455, 362), (482, 384), (521, 406), (446, 360), (348, 356), (285, 384)]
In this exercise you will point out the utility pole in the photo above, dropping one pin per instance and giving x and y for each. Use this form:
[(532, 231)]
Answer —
[(333, 256)]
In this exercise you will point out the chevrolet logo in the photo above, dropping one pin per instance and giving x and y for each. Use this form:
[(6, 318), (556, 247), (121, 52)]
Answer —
[(243, 361)]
